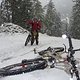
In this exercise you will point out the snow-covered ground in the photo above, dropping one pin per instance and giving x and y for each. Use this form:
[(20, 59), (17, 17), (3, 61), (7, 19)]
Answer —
[(12, 50)]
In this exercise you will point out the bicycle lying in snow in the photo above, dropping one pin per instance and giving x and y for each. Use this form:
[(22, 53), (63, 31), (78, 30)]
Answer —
[(47, 58), (31, 64)]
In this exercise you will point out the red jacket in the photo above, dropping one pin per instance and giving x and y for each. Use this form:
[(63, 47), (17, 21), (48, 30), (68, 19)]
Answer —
[(36, 25)]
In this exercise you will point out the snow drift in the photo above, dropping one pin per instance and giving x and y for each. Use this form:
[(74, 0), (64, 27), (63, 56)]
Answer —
[(11, 28)]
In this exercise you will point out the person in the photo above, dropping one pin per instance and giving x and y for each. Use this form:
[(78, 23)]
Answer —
[(35, 27)]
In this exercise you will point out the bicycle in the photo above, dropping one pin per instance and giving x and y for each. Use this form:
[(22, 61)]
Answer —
[(31, 64), (28, 39)]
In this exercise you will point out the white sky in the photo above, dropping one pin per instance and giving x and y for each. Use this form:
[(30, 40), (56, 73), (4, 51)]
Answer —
[(62, 6), (0, 1)]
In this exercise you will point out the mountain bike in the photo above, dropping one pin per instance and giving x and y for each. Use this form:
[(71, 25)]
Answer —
[(28, 39), (33, 64)]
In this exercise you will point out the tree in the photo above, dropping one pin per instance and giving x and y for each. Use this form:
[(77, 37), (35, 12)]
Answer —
[(16, 10), (5, 11), (75, 21), (52, 20), (21, 10), (38, 10), (58, 25), (0, 16)]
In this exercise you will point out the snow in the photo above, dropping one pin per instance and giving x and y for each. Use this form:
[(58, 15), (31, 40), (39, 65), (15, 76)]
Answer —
[(12, 50), (11, 28)]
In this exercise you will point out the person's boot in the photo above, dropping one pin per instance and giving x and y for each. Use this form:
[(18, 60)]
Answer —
[(32, 40), (36, 42), (32, 43)]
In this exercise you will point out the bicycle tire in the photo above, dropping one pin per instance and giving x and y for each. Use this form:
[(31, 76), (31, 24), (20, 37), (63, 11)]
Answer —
[(56, 49), (33, 64), (28, 39)]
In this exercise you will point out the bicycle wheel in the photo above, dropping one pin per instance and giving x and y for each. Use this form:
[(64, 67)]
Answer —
[(28, 39), (55, 50), (31, 65)]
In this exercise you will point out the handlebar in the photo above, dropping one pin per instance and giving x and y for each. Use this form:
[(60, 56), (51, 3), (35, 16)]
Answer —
[(76, 50)]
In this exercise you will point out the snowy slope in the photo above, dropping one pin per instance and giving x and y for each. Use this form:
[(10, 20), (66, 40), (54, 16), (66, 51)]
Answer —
[(12, 50)]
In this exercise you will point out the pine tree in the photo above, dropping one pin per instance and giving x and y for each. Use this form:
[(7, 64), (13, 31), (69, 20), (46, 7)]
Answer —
[(21, 10), (58, 31), (17, 10), (52, 20), (75, 26), (5, 11), (0, 16), (38, 10)]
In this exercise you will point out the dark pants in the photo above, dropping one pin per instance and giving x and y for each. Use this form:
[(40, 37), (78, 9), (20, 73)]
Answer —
[(34, 36)]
